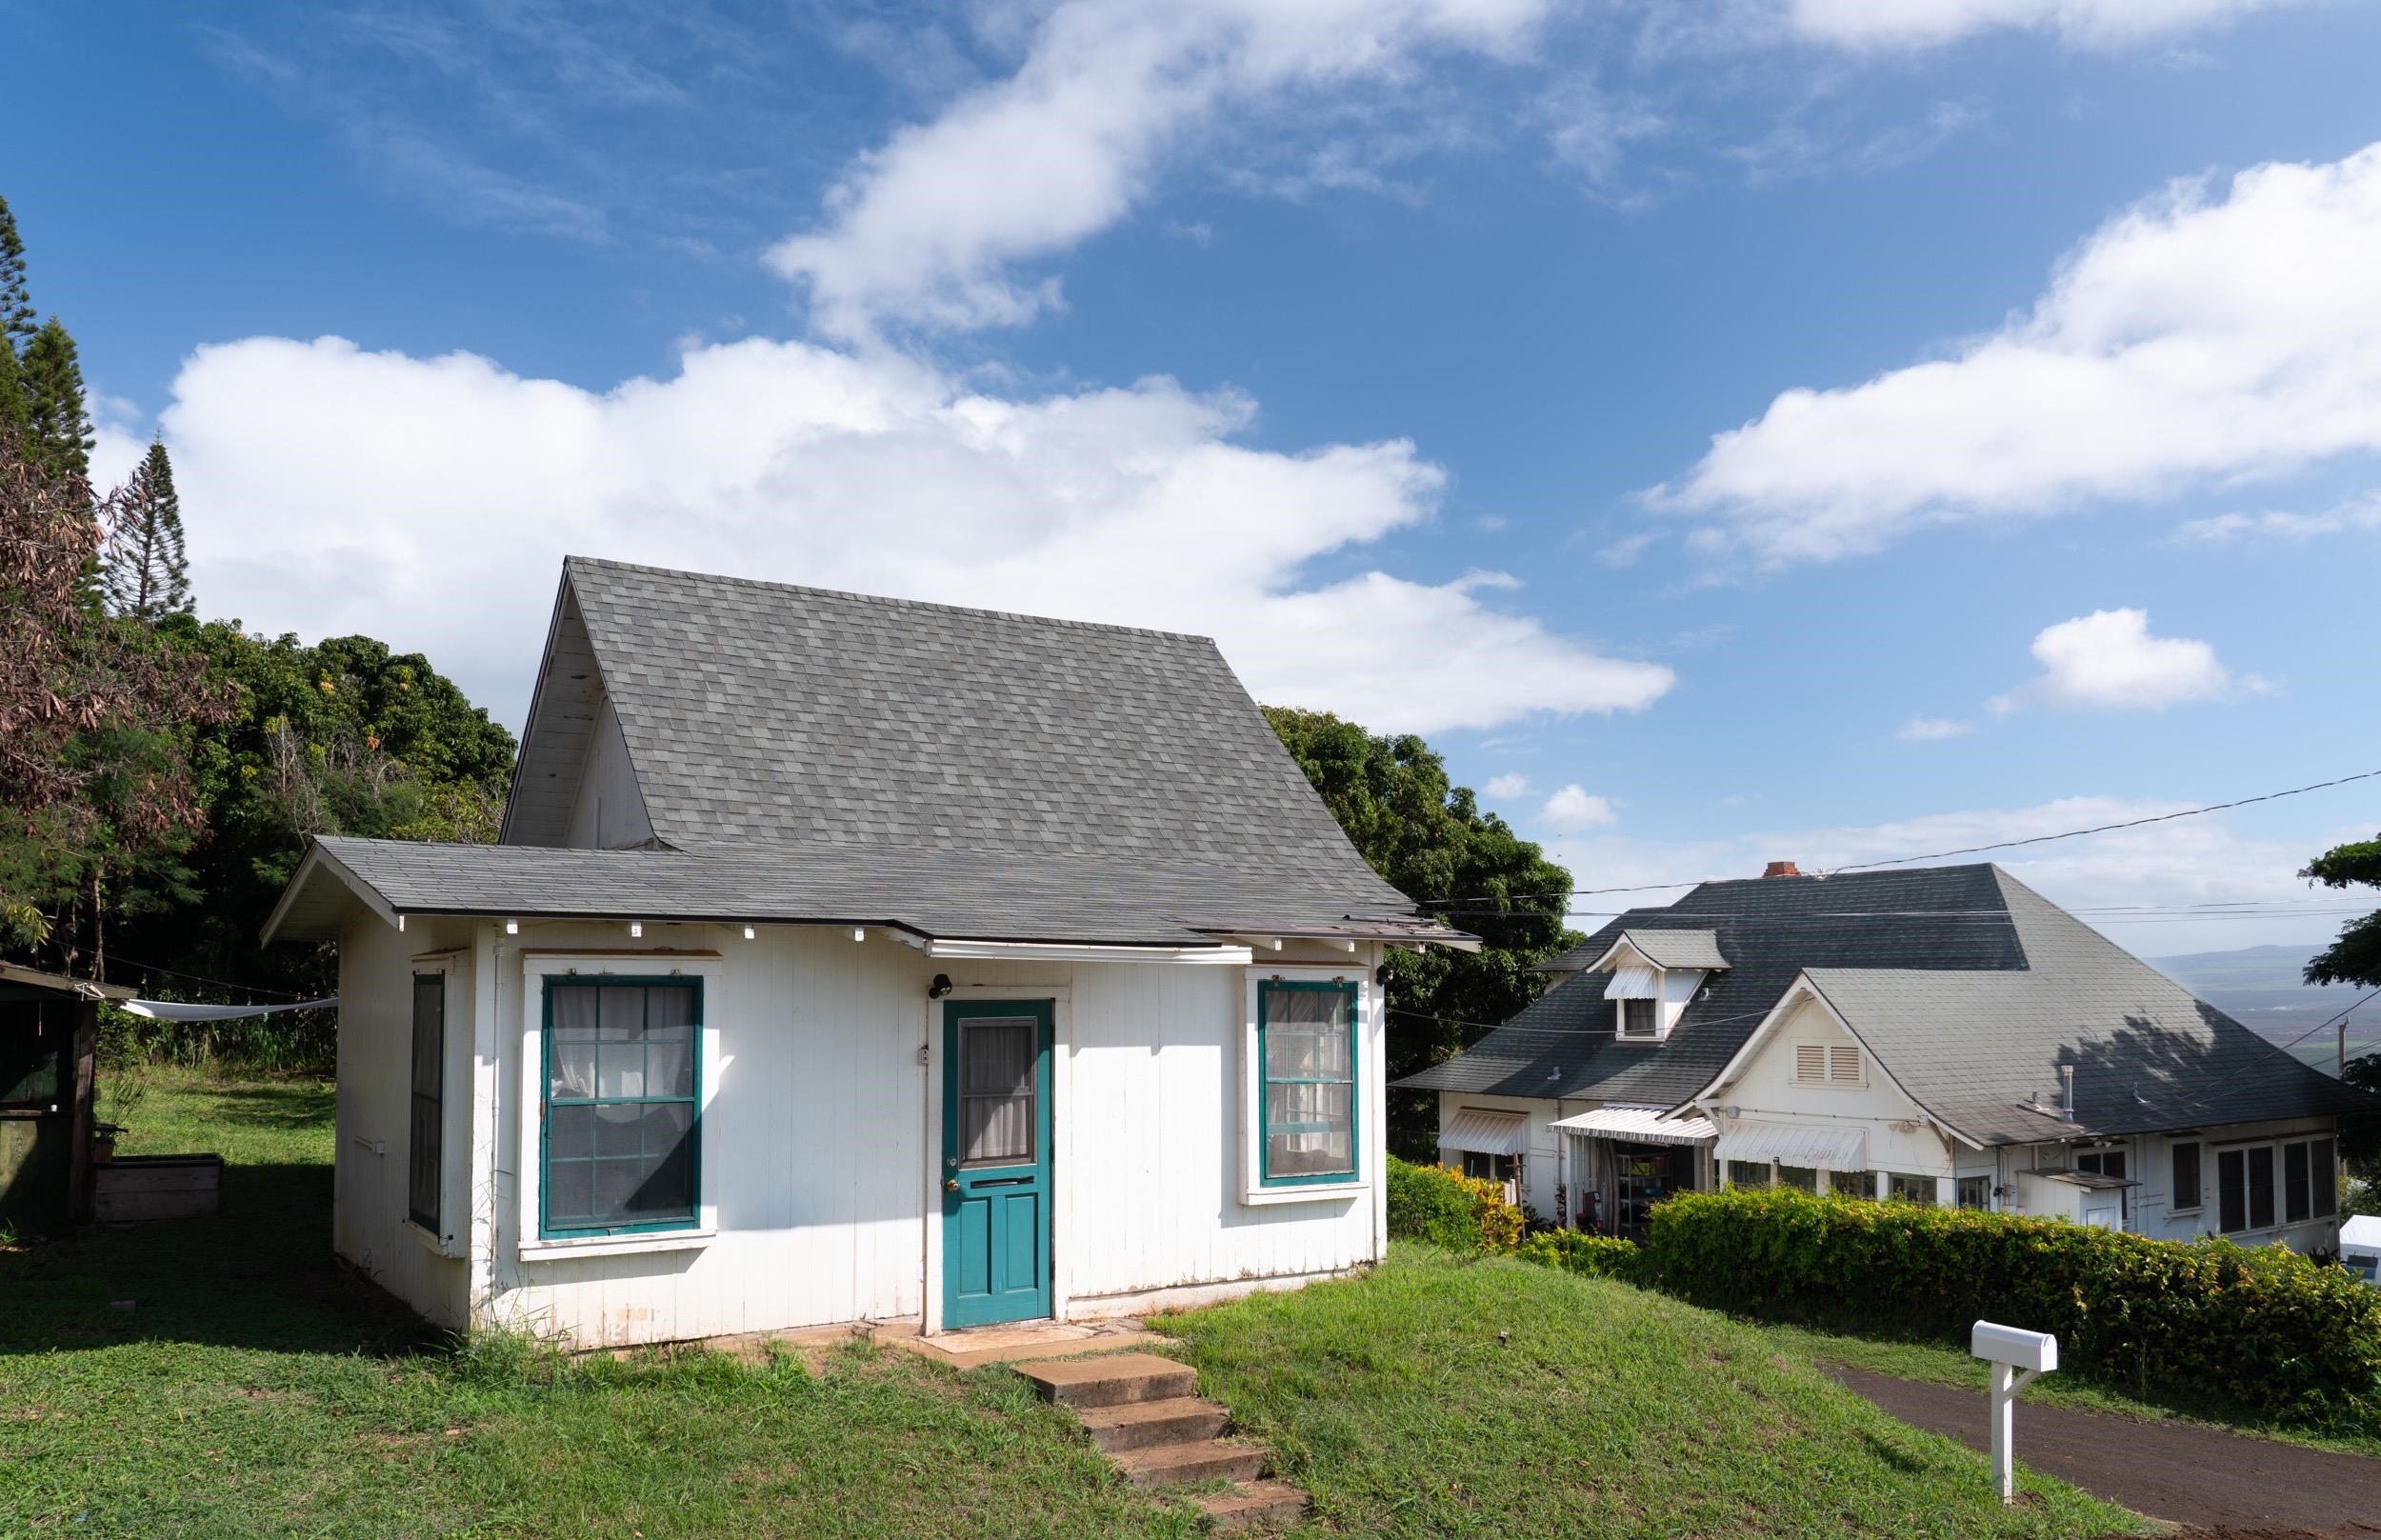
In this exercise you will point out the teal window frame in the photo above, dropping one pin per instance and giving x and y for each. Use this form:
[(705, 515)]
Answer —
[(546, 1229), (435, 1099), (1266, 1129)]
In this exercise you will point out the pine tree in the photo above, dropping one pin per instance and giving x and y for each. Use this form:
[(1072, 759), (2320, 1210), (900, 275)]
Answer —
[(16, 303), (147, 575), (59, 423), (16, 412)]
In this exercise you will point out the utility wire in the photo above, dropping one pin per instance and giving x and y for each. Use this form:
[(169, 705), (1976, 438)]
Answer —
[(200, 978), (1938, 855)]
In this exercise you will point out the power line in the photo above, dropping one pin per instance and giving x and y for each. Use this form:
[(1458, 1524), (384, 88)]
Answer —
[(1934, 855), (201, 978)]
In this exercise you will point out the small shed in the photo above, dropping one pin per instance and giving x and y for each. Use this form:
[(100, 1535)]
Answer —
[(48, 1037)]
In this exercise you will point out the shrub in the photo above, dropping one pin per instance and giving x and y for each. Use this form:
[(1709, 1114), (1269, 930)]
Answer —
[(1600, 1256), (2263, 1329), (1430, 1203)]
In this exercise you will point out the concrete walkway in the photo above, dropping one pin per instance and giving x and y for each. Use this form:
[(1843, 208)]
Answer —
[(2168, 1470)]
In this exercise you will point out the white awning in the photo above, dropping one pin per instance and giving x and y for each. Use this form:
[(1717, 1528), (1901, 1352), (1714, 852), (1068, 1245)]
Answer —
[(1825, 1147), (1633, 983), (1484, 1133), (1639, 1126)]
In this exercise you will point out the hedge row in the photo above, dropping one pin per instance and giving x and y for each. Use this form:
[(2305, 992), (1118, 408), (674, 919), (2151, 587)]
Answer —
[(2262, 1329)]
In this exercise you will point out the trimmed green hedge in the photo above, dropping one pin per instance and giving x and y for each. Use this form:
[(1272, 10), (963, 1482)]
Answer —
[(1430, 1203), (2265, 1329), (1600, 1256)]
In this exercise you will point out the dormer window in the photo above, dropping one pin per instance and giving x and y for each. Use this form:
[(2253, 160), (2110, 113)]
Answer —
[(1656, 975)]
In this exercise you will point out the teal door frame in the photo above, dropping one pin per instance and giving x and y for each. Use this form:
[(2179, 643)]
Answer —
[(996, 1216)]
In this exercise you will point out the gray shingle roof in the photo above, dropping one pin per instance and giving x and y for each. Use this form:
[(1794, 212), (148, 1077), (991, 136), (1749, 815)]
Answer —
[(1964, 983), (943, 893), (764, 713), (1676, 949), (805, 754)]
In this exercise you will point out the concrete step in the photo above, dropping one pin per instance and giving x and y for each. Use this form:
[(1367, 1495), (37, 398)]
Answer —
[(1110, 1380), (1140, 1425), (1172, 1465), (1252, 1505)]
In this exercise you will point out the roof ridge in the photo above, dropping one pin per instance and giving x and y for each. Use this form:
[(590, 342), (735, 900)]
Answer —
[(810, 590)]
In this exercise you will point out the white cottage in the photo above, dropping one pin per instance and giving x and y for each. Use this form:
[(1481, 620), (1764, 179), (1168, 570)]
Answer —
[(849, 959), (1944, 1036)]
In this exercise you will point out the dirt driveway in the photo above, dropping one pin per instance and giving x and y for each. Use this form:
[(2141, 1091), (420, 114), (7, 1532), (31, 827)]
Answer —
[(2168, 1470)]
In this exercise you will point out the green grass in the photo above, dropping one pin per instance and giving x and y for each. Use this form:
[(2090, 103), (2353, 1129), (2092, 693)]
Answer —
[(1946, 1364), (1601, 1410), (224, 1378)]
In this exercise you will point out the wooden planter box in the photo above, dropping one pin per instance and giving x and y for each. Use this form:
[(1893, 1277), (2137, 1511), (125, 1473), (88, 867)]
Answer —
[(156, 1187)]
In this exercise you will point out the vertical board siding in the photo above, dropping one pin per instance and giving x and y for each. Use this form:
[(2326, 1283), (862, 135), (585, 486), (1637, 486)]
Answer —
[(817, 1154)]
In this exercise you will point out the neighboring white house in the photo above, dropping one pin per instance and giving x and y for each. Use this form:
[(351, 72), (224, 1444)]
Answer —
[(852, 959), (1944, 1036)]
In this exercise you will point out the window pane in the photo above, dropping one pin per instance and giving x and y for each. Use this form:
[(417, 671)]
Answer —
[(1748, 1174), (997, 1058), (1976, 1192), (1310, 1082), (1803, 1177), (1903, 1188), (430, 1009), (620, 1116), (2326, 1177), (2231, 1183), (1851, 1183), (32, 1033), (2261, 1188), (2186, 1176), (422, 1123), (2297, 1185)]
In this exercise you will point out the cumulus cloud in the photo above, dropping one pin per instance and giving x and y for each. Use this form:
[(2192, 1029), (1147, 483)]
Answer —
[(2135, 885), (1877, 25), (2202, 336), (1506, 787), (1934, 729), (926, 227), (429, 501), (2107, 658), (1573, 809)]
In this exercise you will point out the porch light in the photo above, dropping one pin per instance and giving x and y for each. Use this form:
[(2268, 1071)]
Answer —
[(636, 927), (512, 928), (747, 933), (860, 933)]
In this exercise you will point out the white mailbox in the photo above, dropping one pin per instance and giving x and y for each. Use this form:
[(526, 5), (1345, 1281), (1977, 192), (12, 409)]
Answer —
[(2016, 1356), (2014, 1345)]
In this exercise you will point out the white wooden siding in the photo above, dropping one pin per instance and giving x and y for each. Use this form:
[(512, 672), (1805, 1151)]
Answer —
[(822, 1134), (607, 811)]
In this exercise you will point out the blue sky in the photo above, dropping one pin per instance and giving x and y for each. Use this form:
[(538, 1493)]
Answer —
[(1386, 340)]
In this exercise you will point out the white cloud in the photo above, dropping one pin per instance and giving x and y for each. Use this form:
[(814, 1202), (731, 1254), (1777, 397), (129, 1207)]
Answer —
[(2197, 338), (1909, 24), (430, 501), (2228, 529), (1506, 787), (926, 227), (2107, 658), (2135, 885), (1934, 729), (1573, 809)]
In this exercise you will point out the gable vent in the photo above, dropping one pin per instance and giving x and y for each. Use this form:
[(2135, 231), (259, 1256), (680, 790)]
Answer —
[(1810, 1063), (1843, 1066), (1826, 1064)]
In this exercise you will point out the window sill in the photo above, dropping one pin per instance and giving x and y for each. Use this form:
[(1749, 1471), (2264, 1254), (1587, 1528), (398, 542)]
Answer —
[(432, 1242), (664, 1240), (1318, 1193)]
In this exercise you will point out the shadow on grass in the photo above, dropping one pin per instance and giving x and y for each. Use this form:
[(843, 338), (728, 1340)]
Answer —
[(260, 1274)]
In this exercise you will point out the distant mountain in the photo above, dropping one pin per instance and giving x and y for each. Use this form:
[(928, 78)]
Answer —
[(2261, 988)]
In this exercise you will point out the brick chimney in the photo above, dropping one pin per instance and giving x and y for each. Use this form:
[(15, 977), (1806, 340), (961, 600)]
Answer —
[(1782, 868)]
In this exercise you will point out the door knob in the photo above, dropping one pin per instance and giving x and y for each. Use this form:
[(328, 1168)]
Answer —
[(950, 1184)]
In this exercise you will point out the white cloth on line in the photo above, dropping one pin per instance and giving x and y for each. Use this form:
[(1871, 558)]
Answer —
[(182, 1010)]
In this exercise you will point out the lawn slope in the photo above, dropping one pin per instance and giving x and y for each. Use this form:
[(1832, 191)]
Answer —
[(1449, 1395)]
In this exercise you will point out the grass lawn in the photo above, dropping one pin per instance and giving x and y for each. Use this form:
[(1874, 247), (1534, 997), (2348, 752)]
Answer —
[(223, 1378), (1945, 1363)]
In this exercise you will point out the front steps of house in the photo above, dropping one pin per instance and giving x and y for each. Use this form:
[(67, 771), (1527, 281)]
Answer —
[(1143, 1412)]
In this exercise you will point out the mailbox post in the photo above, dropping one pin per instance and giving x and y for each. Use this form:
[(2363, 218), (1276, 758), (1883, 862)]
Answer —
[(2016, 1356)]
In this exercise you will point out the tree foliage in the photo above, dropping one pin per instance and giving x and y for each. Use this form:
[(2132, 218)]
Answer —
[(1429, 839), (2354, 959), (58, 419), (96, 716), (17, 301), (146, 575), (341, 737)]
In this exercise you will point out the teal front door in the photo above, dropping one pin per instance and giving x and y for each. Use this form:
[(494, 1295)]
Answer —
[(996, 1169)]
